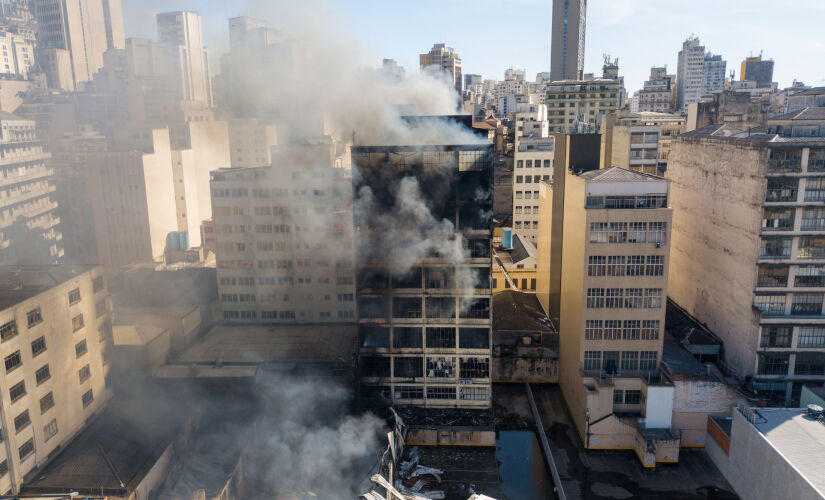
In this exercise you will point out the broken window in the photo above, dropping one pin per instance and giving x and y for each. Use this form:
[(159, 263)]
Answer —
[(482, 278), (474, 393), (373, 307), (409, 367), (372, 279), (440, 367), (610, 361), (475, 368), (410, 280), (441, 307), (409, 392), (375, 366), (375, 391), (406, 337), (479, 248), (406, 307), (475, 308), (473, 338), (440, 392), (375, 336), (441, 337), (439, 277)]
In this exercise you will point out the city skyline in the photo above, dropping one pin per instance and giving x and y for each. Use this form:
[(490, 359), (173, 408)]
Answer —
[(485, 47)]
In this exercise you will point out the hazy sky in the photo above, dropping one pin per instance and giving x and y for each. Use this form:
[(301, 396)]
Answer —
[(493, 35)]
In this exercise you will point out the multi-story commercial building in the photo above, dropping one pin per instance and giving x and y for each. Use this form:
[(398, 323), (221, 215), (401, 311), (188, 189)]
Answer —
[(56, 332), (612, 241), (713, 74), (657, 94), (72, 37), (182, 30), (470, 80), (250, 142), (283, 238), (698, 73), (423, 238), (640, 141), (567, 43), (28, 227), (748, 251), (581, 105), (19, 52), (533, 164), (754, 69), (445, 58)]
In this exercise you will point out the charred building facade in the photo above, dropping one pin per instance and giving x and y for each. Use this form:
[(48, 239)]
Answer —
[(423, 239)]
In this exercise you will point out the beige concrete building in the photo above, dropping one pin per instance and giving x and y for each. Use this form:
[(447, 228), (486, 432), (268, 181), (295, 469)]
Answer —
[(533, 161), (283, 238), (747, 256), (613, 238), (250, 142), (18, 53), (56, 336), (447, 60), (581, 105), (28, 224), (657, 94), (640, 141)]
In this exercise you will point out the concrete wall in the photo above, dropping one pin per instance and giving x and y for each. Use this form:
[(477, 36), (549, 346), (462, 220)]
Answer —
[(693, 401), (717, 192), (160, 192), (543, 246), (755, 468), (658, 406), (521, 369)]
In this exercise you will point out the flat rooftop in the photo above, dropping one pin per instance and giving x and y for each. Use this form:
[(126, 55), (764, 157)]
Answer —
[(226, 344), (519, 311), (19, 283), (799, 438), (143, 286)]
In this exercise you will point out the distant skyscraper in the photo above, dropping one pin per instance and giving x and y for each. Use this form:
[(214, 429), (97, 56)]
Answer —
[(756, 70), (470, 80), (567, 47), (73, 35), (183, 30), (447, 59), (113, 19), (697, 73)]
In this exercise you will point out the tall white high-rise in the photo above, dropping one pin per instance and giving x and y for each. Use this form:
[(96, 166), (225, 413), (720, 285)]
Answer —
[(698, 73), (183, 30)]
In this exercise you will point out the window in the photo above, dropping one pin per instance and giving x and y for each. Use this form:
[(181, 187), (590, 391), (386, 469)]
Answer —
[(474, 368), (440, 392), (632, 329), (4, 468), (42, 374), (655, 265), (778, 219), (650, 329), (806, 304), (632, 397), (97, 284), (653, 298), (636, 265), (84, 373), (473, 338), (13, 361), (8, 330), (474, 393), (770, 304), (474, 308), (810, 363), (647, 360), (74, 296), (773, 363), (406, 337), (613, 298), (34, 317), (612, 329), (100, 308), (50, 430), (441, 307), (814, 190), (810, 276), (618, 232), (441, 337), (598, 232), (610, 361), (813, 219), (87, 398), (811, 248), (21, 421), (26, 449), (618, 396), (775, 248), (637, 232), (80, 348), (17, 391), (630, 360), (38, 346), (46, 403), (768, 275), (593, 329), (596, 266), (408, 367), (809, 336), (615, 265), (77, 323), (657, 232), (595, 298), (592, 360), (633, 298)]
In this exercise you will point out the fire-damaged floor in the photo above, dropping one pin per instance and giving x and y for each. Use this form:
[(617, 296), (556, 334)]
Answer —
[(461, 466)]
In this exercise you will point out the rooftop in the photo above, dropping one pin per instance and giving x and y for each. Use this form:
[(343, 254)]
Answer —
[(522, 250), (618, 174), (135, 334), (726, 132), (688, 332), (803, 114), (519, 311), (813, 91), (799, 438), (20, 283), (142, 286)]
